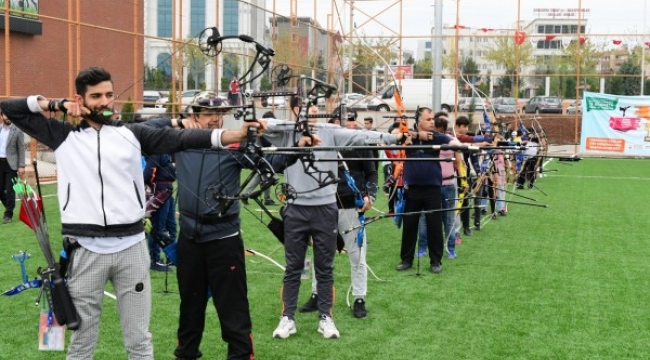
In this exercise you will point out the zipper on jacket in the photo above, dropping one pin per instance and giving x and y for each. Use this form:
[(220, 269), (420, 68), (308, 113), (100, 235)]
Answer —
[(137, 195), (99, 171), (67, 198)]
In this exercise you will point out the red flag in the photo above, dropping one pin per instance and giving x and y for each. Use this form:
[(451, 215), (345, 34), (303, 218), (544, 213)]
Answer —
[(550, 37), (520, 37), (647, 43), (486, 29), (617, 42), (459, 26), (582, 39)]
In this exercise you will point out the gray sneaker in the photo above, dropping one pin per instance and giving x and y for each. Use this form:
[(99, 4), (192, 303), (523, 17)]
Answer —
[(436, 268), (327, 328), (286, 328)]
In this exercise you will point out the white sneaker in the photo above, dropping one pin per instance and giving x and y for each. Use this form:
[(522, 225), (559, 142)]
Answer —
[(327, 328), (285, 328)]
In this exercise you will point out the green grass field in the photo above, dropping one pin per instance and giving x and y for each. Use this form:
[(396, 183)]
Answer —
[(566, 282)]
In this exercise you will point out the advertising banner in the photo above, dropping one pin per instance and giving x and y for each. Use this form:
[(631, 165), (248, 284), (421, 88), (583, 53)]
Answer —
[(615, 125)]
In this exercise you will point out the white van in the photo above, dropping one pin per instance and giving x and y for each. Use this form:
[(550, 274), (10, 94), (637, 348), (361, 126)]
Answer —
[(415, 92)]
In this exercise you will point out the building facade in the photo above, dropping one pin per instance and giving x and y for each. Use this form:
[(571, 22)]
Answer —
[(46, 52), (185, 22)]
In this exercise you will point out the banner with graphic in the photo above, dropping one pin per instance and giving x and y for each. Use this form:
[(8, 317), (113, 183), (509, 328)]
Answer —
[(615, 125)]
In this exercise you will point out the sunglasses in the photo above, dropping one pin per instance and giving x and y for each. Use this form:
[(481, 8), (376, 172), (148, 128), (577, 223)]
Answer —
[(215, 101)]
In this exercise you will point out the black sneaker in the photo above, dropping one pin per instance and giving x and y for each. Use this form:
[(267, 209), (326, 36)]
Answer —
[(467, 231), (269, 202), (403, 266), (311, 305), (359, 309), (436, 268)]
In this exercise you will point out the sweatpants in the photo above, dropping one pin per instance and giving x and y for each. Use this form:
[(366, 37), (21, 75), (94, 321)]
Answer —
[(349, 218), (128, 271), (301, 223)]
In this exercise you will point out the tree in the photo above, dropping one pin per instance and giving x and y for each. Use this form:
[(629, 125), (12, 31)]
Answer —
[(127, 111), (422, 69), (317, 63), (504, 52), (584, 57), (156, 78), (366, 58), (195, 61), (630, 84), (230, 70)]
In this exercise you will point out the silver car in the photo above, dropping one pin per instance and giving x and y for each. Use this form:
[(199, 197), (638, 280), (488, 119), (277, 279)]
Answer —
[(505, 105), (544, 104)]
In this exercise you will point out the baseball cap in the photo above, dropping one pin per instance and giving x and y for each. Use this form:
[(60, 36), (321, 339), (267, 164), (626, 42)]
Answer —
[(207, 100)]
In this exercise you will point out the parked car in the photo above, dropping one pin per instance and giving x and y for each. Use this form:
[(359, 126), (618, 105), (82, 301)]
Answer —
[(465, 103), (575, 108), (543, 104), (277, 101), (186, 98), (354, 101), (505, 105), (149, 98)]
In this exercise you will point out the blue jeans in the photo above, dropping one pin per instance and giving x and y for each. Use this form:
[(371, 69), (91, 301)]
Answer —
[(422, 234), (163, 221), (448, 193)]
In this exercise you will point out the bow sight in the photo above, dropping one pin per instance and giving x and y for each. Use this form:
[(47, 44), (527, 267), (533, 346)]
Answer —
[(211, 42)]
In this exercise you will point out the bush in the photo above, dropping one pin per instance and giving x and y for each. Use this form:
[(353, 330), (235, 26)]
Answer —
[(127, 111)]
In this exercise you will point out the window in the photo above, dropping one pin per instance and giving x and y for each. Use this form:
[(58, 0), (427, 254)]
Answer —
[(574, 29), (565, 29), (230, 17), (540, 29), (165, 18), (197, 17), (548, 29), (427, 44), (582, 29), (163, 62), (558, 29)]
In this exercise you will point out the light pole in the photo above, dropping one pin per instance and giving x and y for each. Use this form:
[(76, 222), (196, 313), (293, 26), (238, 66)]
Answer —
[(643, 46), (436, 56)]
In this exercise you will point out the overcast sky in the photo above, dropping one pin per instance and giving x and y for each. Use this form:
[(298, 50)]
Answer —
[(618, 18)]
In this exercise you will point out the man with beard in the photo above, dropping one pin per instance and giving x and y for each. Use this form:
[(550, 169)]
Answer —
[(101, 200), (12, 164)]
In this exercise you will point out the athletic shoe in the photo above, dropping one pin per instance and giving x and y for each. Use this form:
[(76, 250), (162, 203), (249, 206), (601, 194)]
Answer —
[(503, 213), (494, 216), (6, 220), (286, 328), (436, 268), (422, 253), (451, 254), (269, 202), (459, 241), (161, 268), (467, 231), (359, 309), (327, 328), (311, 305), (403, 266)]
